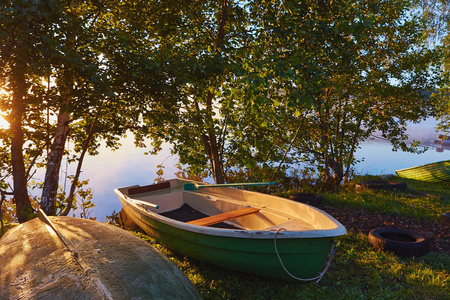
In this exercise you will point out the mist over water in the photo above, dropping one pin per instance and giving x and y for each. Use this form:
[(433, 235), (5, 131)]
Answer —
[(378, 157)]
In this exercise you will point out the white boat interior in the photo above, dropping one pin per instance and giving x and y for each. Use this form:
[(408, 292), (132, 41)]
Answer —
[(266, 213)]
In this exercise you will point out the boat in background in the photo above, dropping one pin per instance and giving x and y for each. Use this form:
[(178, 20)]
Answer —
[(73, 258), (443, 140), (237, 229), (433, 172)]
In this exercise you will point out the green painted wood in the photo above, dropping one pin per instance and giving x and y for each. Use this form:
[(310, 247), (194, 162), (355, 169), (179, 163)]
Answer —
[(434, 172), (304, 258), (303, 250)]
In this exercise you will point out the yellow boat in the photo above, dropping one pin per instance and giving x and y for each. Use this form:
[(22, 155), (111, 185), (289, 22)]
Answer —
[(433, 172)]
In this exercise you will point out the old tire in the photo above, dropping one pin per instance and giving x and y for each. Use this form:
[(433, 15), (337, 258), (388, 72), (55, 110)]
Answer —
[(308, 198), (445, 219), (404, 243), (381, 185)]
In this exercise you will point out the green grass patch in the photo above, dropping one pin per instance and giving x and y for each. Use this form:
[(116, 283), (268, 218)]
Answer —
[(421, 200), (358, 271)]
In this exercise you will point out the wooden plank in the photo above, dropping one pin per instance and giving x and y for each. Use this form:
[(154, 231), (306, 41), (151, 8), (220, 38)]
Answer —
[(224, 216)]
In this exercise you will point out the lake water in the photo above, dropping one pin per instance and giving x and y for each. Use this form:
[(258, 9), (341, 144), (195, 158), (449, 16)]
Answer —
[(129, 166)]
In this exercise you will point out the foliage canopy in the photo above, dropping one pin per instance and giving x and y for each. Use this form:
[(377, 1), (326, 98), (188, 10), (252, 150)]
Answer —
[(232, 85)]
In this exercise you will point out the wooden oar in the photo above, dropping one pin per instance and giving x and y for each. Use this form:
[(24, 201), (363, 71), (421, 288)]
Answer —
[(143, 203), (91, 273), (195, 186), (78, 258)]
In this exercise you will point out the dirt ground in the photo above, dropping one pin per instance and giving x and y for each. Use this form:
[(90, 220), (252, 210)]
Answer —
[(359, 221)]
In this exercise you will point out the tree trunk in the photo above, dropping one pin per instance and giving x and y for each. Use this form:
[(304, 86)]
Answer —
[(50, 189), (215, 160), (23, 204), (333, 181), (213, 148), (73, 186)]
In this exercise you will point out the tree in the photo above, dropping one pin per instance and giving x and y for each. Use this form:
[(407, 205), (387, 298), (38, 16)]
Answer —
[(21, 33), (341, 71), (305, 75), (437, 12), (67, 66), (443, 110), (210, 39)]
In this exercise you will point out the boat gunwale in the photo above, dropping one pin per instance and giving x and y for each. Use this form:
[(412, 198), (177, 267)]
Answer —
[(239, 233)]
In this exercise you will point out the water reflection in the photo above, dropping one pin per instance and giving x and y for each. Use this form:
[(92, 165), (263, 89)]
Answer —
[(124, 167), (379, 158), (129, 166)]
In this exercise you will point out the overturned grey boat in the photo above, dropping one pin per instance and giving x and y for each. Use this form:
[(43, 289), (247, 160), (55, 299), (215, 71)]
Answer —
[(72, 258)]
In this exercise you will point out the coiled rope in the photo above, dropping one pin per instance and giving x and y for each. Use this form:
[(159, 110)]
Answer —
[(321, 274)]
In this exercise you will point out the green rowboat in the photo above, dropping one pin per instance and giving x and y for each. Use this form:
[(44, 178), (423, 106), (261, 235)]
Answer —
[(237, 229), (434, 172)]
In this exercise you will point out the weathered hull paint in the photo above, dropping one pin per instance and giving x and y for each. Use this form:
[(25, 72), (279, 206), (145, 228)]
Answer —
[(36, 264)]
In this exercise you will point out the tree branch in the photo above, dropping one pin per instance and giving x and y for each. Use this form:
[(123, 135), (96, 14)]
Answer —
[(73, 186)]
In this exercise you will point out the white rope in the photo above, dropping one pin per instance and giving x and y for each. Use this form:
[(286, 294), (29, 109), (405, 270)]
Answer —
[(321, 274)]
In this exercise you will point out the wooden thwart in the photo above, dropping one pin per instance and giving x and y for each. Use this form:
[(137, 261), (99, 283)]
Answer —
[(224, 216)]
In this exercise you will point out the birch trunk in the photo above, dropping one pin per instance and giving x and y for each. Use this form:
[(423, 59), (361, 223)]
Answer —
[(50, 189)]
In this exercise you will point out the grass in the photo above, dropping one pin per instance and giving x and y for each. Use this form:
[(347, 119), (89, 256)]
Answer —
[(421, 200), (358, 271)]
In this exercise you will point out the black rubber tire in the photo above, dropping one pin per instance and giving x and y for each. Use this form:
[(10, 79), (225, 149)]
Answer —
[(381, 185), (308, 198), (404, 243), (445, 219)]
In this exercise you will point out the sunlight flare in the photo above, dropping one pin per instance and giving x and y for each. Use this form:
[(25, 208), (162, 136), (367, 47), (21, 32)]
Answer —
[(3, 123)]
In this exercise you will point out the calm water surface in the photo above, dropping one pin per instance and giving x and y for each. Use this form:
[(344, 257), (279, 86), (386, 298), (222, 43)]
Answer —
[(129, 166)]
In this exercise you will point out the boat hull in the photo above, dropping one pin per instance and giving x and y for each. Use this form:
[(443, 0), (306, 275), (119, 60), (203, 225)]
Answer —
[(109, 263), (303, 254), (434, 172), (303, 258)]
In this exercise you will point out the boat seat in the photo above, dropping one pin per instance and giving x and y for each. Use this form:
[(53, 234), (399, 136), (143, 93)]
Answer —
[(224, 216)]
